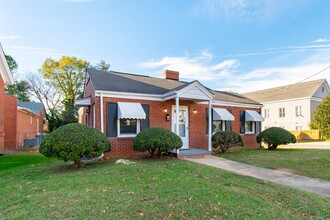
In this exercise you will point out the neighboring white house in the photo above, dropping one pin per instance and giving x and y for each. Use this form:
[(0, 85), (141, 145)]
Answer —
[(290, 107)]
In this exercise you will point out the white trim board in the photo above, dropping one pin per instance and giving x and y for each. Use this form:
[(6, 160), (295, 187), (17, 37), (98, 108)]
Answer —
[(153, 97)]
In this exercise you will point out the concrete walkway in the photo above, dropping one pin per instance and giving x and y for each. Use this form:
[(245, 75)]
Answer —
[(314, 185)]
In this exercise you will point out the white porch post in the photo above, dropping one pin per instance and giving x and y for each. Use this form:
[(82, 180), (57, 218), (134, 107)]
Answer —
[(101, 112), (210, 127), (177, 119)]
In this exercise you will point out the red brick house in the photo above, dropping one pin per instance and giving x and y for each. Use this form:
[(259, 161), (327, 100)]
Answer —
[(6, 102), (120, 105)]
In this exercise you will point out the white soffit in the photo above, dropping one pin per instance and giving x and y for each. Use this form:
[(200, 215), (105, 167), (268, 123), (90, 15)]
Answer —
[(85, 102)]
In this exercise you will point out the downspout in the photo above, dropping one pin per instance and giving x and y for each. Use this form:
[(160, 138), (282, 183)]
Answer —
[(101, 112), (177, 119), (210, 127)]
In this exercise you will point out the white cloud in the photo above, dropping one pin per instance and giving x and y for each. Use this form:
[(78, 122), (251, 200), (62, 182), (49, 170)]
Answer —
[(269, 77), (194, 67), (248, 10), (38, 50), (321, 40), (9, 37), (289, 49)]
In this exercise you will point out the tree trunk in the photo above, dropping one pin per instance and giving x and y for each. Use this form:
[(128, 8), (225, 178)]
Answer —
[(78, 163), (159, 152), (272, 147)]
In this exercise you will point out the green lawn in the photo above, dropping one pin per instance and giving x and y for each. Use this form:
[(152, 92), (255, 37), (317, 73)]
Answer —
[(312, 163), (34, 187)]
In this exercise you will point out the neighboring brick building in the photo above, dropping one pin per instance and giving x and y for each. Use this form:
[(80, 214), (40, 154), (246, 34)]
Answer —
[(121, 105), (5, 79)]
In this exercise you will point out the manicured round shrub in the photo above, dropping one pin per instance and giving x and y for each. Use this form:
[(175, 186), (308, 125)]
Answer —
[(223, 140), (275, 136), (74, 141), (156, 141)]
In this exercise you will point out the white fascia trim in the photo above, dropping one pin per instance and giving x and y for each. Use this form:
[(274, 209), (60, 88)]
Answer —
[(233, 104), (128, 95), (316, 99), (26, 110), (287, 100), (4, 69)]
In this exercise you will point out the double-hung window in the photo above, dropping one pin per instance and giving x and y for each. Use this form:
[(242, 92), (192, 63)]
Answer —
[(282, 112), (299, 111), (128, 127), (249, 127), (266, 112)]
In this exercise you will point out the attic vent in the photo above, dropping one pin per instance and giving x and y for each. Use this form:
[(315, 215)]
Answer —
[(322, 89)]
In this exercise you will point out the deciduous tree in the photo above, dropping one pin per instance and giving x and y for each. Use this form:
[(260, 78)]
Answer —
[(321, 118), (68, 76)]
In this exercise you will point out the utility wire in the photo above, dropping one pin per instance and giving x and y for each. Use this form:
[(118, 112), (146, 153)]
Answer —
[(313, 75)]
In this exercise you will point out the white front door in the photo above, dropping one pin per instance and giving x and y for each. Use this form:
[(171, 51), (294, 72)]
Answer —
[(183, 125)]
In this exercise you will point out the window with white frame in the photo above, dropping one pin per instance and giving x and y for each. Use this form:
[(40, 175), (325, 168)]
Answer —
[(218, 126), (281, 112), (128, 127), (266, 112), (299, 111), (298, 128), (249, 127)]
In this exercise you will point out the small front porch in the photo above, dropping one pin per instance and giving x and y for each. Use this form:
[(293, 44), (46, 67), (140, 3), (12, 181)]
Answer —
[(193, 152)]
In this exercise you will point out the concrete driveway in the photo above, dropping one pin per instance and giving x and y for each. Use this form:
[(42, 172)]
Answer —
[(319, 145)]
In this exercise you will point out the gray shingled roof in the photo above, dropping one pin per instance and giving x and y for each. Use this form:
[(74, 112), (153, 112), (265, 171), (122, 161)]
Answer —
[(35, 107), (124, 82), (293, 91)]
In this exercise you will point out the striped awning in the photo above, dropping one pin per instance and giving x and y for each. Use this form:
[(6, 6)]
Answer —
[(221, 114), (251, 115), (130, 110)]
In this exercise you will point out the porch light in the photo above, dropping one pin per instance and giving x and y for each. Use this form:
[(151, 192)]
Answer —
[(165, 109), (194, 111)]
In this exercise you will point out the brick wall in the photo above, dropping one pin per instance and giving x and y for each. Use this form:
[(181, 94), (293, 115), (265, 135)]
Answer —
[(27, 126), (10, 110), (122, 147)]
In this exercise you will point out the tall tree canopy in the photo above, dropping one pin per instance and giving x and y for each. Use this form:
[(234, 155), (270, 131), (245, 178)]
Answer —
[(20, 89), (66, 75), (12, 64), (321, 118), (103, 66)]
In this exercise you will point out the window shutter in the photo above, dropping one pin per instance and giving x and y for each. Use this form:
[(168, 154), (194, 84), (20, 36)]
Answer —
[(145, 122), (228, 124), (258, 127), (207, 120), (242, 120), (112, 114)]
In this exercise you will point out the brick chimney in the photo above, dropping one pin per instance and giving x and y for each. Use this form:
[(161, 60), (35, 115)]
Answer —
[(170, 74)]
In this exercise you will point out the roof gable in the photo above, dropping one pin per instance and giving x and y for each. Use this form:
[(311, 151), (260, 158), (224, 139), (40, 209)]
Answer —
[(322, 91), (195, 90)]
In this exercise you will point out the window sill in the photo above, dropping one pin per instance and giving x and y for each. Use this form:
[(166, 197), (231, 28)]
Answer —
[(127, 136), (249, 133)]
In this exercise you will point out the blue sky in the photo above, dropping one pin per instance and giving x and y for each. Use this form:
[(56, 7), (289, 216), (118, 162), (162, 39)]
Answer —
[(242, 45)]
